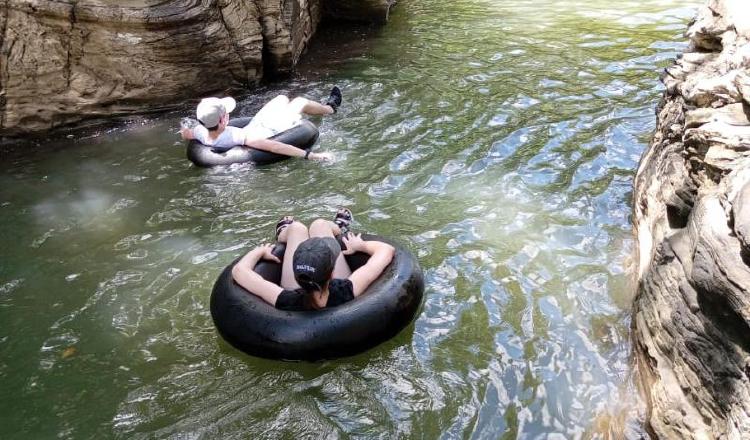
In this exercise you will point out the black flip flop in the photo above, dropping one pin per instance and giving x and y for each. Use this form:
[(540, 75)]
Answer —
[(343, 219), (282, 224)]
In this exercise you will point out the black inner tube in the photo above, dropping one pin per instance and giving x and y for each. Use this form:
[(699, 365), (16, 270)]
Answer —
[(303, 135), (251, 325)]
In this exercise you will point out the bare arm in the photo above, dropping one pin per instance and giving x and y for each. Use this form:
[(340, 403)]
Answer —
[(243, 274), (275, 147), (284, 149), (381, 255)]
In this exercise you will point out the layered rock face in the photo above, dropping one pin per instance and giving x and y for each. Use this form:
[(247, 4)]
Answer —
[(65, 61), (691, 326)]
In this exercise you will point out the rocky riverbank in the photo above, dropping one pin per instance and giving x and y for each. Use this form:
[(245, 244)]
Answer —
[(691, 317), (64, 62)]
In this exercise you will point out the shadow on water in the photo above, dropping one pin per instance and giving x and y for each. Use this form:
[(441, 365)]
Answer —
[(335, 45)]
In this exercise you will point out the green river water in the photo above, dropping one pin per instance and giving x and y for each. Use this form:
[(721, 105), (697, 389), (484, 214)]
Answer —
[(496, 139)]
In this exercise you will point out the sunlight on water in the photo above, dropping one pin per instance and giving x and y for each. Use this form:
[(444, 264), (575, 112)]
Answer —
[(496, 139)]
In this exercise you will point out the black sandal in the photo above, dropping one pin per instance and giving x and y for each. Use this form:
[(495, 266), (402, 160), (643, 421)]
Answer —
[(282, 224), (334, 99), (343, 219)]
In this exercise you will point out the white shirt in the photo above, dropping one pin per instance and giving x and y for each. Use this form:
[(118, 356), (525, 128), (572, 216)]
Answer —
[(230, 137)]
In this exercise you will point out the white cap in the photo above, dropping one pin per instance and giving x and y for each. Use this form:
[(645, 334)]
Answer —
[(210, 110)]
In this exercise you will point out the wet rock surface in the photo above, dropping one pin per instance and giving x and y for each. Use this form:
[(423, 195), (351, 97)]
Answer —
[(66, 61), (691, 326)]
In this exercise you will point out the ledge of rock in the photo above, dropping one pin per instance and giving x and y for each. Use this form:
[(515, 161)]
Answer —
[(691, 316), (65, 61)]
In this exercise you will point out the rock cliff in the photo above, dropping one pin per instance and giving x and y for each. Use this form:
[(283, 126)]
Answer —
[(691, 316), (66, 61)]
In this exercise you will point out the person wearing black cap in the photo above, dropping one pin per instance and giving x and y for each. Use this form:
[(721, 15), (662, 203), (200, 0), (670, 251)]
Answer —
[(314, 272), (277, 115)]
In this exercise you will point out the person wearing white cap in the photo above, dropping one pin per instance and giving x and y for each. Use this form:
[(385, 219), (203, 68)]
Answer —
[(277, 115)]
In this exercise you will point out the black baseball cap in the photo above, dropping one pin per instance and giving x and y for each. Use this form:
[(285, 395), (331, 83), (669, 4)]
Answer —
[(313, 261)]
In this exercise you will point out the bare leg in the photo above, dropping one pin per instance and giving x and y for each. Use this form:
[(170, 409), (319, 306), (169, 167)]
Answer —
[(325, 228), (303, 105), (292, 235)]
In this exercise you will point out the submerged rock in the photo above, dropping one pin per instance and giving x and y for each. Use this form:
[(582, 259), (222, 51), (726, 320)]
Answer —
[(691, 317), (65, 61)]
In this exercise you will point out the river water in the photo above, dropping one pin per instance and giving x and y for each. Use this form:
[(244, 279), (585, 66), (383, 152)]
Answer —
[(496, 139)]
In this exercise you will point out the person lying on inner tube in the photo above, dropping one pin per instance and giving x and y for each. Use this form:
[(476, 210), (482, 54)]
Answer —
[(314, 272), (277, 115)]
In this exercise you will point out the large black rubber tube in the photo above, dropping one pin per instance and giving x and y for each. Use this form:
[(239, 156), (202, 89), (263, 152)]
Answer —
[(251, 325), (304, 135)]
